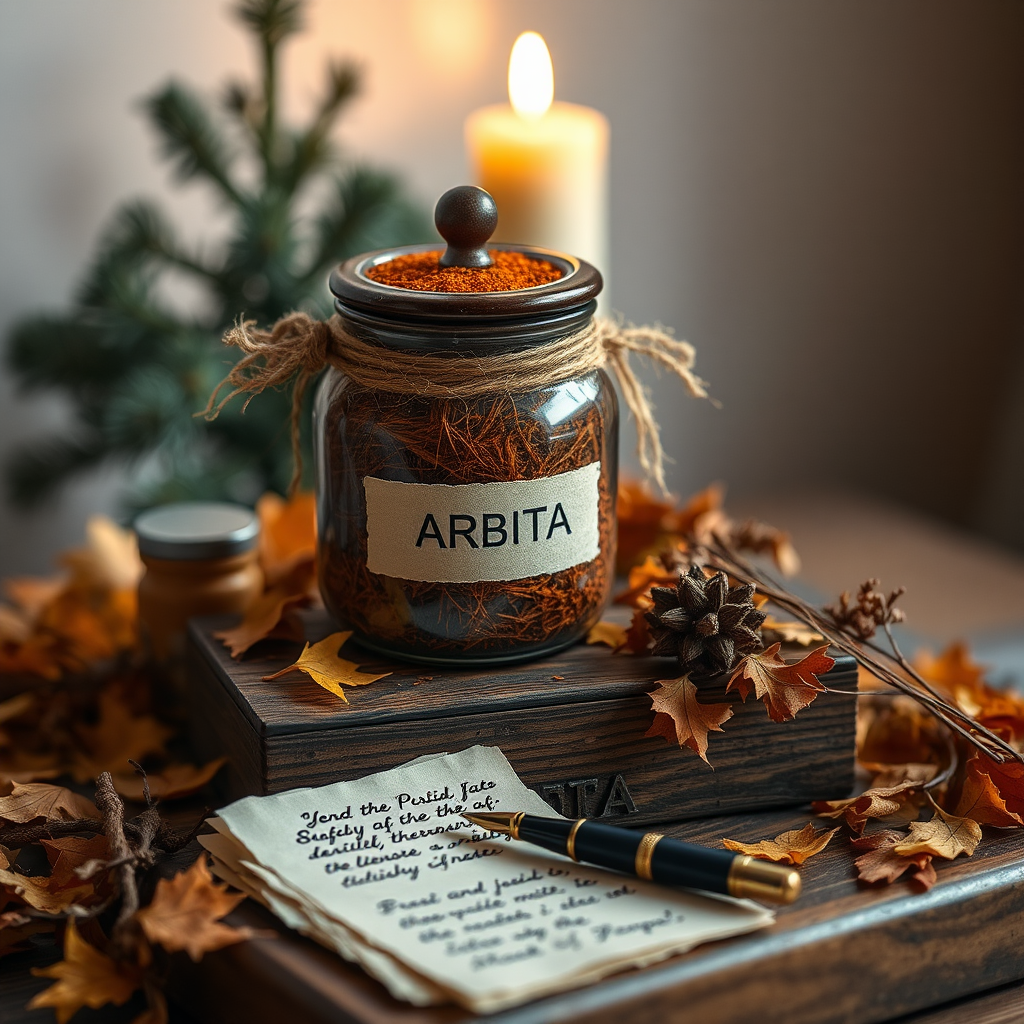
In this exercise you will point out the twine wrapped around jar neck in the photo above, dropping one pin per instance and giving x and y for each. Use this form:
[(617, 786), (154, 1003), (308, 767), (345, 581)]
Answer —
[(299, 346)]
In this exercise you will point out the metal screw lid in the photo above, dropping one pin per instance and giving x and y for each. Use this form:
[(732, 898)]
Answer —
[(194, 530)]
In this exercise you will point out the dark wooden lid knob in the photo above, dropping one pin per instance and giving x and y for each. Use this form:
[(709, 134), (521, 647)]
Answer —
[(466, 217)]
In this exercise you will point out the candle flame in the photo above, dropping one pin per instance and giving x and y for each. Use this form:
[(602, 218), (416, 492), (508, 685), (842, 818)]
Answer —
[(531, 78)]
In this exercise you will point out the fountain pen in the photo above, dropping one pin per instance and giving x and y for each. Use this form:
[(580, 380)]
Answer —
[(648, 855)]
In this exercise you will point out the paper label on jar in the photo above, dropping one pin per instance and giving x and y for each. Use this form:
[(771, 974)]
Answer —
[(468, 533)]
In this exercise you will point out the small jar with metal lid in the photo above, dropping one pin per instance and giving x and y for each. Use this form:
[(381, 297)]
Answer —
[(201, 559), (466, 521)]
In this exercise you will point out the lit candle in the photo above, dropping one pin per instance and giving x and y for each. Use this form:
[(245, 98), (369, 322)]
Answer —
[(545, 163)]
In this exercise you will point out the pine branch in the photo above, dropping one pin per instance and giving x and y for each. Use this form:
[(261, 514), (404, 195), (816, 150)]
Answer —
[(36, 471), (239, 101), (190, 137), (362, 215), (272, 21), (62, 352), (312, 147), (262, 254), (144, 413), (140, 230)]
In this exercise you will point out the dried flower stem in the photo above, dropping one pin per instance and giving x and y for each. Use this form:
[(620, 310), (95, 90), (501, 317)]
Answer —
[(892, 667), (166, 840), (112, 808)]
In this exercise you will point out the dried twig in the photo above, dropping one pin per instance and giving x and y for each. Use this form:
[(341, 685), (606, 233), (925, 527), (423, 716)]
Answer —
[(125, 932), (166, 841), (892, 667)]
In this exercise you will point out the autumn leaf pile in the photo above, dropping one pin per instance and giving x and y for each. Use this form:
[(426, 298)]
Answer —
[(928, 794), (81, 706), (929, 782)]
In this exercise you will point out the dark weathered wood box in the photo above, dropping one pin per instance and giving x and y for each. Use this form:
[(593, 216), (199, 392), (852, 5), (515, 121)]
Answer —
[(572, 726)]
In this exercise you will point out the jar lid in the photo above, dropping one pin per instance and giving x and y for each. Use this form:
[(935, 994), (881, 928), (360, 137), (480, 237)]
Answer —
[(196, 530), (466, 216)]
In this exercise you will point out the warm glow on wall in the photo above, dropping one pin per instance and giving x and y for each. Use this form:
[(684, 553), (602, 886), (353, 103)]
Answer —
[(452, 37), (531, 78)]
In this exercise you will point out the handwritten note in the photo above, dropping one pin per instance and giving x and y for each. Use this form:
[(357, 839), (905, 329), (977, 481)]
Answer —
[(386, 871)]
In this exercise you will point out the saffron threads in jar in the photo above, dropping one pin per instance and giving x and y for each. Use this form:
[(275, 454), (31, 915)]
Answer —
[(421, 271), (456, 442)]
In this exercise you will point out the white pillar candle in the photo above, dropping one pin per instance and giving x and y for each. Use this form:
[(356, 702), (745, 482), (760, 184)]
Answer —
[(545, 163)]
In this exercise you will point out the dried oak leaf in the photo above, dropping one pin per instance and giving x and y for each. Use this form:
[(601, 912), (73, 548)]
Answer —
[(981, 799), (872, 803), (174, 782), (262, 618), (44, 893), (651, 573), (760, 538), (952, 670), (31, 594), (868, 611), (895, 730), (701, 508), (71, 852), (110, 559), (117, 737), (886, 775), (789, 632), (944, 835), (33, 655), (32, 800), (785, 688), (16, 928), (638, 636), (287, 533), (321, 663), (792, 847), (1007, 778), (963, 680), (85, 977), (185, 913), (681, 718), (881, 863), (609, 633), (643, 520)]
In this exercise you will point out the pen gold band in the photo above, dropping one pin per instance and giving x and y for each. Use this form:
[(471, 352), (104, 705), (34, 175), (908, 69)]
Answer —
[(644, 853), (570, 843), (515, 823)]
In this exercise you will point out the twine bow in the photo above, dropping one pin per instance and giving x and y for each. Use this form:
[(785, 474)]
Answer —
[(299, 346)]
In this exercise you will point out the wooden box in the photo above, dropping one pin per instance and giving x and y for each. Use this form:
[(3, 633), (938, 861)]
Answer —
[(572, 726)]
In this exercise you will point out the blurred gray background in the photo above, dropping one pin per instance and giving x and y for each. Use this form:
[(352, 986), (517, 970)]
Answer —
[(825, 198)]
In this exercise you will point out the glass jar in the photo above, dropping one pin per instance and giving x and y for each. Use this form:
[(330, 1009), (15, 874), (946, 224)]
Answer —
[(471, 530), (201, 559)]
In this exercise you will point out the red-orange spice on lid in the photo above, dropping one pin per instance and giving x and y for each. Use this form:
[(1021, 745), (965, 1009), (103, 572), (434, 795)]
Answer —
[(422, 272)]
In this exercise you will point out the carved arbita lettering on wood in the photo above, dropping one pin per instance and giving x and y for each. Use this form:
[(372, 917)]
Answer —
[(589, 798)]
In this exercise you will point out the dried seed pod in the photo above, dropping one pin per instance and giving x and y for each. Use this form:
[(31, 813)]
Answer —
[(707, 625)]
